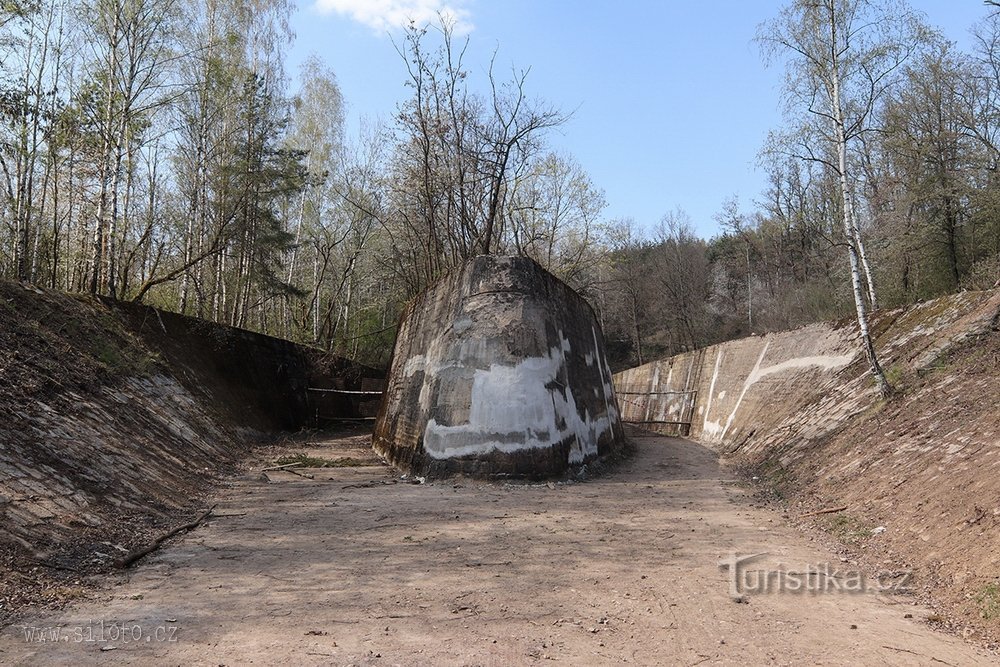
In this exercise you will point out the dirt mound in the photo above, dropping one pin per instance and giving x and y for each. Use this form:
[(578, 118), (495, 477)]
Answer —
[(117, 419)]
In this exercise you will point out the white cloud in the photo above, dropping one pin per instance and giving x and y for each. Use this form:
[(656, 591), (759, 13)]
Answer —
[(390, 15)]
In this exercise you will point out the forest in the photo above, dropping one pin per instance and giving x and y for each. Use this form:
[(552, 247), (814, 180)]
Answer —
[(157, 151)]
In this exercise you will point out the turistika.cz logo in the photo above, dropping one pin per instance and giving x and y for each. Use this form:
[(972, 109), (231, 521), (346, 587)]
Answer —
[(812, 579)]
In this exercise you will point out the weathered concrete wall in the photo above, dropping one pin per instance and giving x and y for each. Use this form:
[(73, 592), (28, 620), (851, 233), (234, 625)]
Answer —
[(498, 370), (740, 387), (256, 380), (115, 416), (801, 384)]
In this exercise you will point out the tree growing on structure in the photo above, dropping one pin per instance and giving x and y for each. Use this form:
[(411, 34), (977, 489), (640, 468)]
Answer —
[(843, 57), (459, 156)]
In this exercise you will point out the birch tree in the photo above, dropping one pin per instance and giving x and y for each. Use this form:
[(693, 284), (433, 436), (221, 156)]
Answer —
[(317, 125), (555, 219), (33, 38), (842, 57), (130, 43)]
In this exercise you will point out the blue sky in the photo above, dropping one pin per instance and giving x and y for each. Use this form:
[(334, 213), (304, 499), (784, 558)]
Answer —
[(671, 101)]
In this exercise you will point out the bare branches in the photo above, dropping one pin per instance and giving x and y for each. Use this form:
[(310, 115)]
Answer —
[(459, 153), (844, 58)]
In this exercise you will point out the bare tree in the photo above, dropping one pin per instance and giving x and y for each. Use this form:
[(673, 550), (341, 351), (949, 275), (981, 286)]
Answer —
[(28, 104), (554, 215), (682, 274), (131, 41), (629, 264), (843, 56), (459, 155)]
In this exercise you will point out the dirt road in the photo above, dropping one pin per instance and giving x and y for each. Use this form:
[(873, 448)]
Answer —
[(357, 567)]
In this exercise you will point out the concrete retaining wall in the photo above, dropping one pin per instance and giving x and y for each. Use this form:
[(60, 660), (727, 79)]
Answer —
[(115, 417), (916, 475), (746, 395), (256, 380)]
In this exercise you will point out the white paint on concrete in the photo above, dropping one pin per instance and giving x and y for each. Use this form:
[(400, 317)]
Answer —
[(824, 362), (712, 428), (607, 383), (653, 385), (414, 364), (746, 385), (512, 409)]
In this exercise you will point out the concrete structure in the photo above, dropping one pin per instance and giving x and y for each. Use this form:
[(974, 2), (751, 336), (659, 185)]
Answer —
[(257, 380), (499, 370), (788, 389), (132, 415), (723, 393)]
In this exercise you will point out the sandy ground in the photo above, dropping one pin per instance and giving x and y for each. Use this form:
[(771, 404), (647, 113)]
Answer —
[(357, 567)]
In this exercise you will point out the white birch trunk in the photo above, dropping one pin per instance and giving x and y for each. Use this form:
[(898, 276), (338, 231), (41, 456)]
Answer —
[(863, 256), (850, 224)]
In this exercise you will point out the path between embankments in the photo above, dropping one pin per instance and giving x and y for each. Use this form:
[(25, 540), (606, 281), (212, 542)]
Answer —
[(357, 567)]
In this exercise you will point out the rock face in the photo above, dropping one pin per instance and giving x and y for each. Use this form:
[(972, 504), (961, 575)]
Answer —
[(499, 370)]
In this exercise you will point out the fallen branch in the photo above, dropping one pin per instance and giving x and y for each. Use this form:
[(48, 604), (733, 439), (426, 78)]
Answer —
[(137, 554), (388, 525), (368, 485), (828, 510), (498, 563), (904, 650), (52, 566), (282, 467)]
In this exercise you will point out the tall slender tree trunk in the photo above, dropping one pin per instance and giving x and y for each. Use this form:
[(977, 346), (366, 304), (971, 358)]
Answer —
[(97, 247), (54, 277), (112, 230), (863, 258), (286, 316), (198, 198), (98, 251), (850, 221), (635, 328), (315, 299)]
